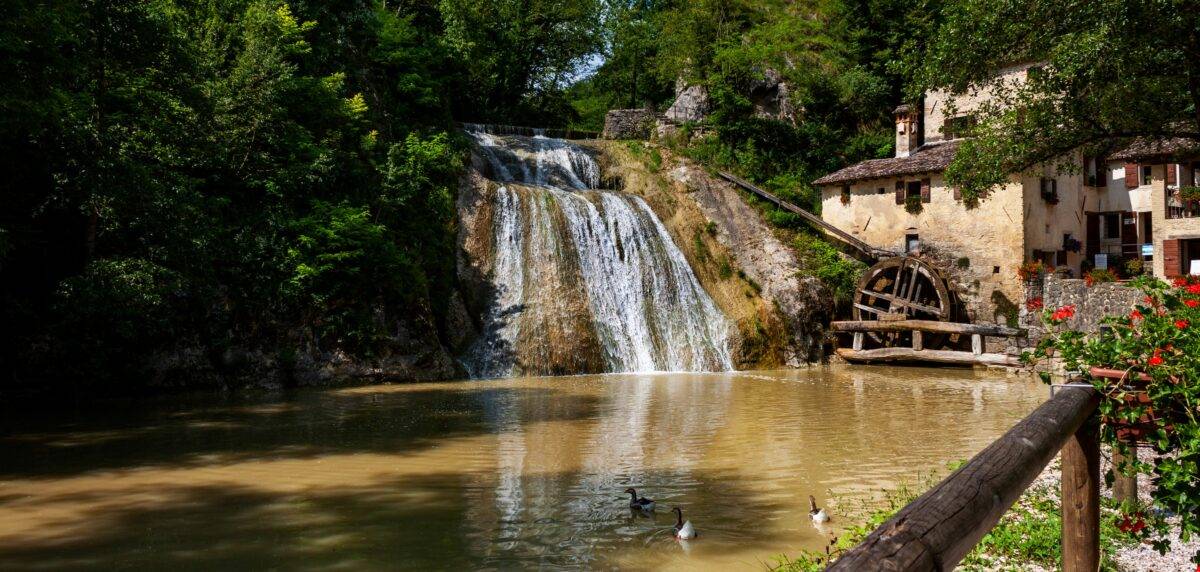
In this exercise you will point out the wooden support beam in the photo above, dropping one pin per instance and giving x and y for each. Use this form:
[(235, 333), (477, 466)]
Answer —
[(935, 531), (900, 302), (858, 340), (932, 326), (918, 343), (1124, 488), (939, 356), (813, 219), (976, 344), (1081, 499)]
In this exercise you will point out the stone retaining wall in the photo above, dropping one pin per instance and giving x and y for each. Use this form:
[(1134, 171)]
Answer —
[(629, 123), (1092, 304)]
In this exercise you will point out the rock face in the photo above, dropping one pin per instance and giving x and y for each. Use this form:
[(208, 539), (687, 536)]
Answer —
[(691, 104), (629, 123), (771, 98), (746, 268)]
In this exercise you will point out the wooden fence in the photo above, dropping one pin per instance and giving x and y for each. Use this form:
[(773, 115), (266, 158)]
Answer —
[(938, 529)]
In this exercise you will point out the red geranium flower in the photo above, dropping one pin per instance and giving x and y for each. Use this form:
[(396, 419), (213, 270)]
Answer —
[(1156, 359), (1135, 315), (1063, 313), (1034, 304), (1194, 288), (1180, 281), (1181, 324), (1191, 303)]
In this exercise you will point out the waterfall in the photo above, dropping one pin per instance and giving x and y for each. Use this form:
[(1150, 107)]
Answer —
[(583, 279)]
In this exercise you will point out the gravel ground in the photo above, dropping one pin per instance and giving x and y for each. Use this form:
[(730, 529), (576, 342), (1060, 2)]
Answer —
[(1142, 557)]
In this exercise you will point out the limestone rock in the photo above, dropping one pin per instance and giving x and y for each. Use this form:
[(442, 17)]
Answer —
[(691, 104)]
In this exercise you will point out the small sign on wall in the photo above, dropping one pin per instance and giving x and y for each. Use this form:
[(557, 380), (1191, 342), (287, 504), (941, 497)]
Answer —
[(1148, 249), (1195, 267), (1101, 261)]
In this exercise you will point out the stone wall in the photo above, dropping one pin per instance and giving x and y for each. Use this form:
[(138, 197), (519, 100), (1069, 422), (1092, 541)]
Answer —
[(1092, 304), (629, 123)]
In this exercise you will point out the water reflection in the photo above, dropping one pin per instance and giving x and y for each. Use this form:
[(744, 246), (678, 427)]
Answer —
[(497, 474)]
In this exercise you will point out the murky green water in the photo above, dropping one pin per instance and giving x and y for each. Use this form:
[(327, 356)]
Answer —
[(485, 475)]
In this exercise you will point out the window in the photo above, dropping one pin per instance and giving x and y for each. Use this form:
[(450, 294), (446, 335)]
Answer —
[(1112, 225), (1095, 171), (912, 243), (845, 194), (882, 191), (957, 127), (1147, 177), (1049, 188)]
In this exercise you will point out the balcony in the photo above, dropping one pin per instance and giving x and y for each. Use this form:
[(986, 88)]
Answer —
[(1183, 203)]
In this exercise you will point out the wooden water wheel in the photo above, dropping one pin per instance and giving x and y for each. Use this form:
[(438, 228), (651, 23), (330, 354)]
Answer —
[(903, 288)]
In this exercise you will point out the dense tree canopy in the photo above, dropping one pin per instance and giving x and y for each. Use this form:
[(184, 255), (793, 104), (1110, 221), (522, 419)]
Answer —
[(1108, 71)]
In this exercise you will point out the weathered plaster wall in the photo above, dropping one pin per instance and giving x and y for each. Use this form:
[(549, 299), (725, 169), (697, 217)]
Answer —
[(989, 236), (1045, 224), (1116, 197), (938, 102)]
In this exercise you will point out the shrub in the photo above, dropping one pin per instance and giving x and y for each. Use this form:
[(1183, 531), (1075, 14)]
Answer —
[(1099, 275), (912, 204), (1157, 346), (839, 272)]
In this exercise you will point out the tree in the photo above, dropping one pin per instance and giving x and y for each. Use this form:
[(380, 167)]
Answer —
[(1107, 70)]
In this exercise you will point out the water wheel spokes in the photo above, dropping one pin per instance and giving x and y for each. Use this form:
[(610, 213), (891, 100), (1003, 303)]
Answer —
[(902, 288)]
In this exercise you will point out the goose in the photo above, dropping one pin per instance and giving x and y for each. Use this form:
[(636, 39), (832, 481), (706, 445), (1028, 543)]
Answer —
[(683, 530), (639, 503), (818, 514)]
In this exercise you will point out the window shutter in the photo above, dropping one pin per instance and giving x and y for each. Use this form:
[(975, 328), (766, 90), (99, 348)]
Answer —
[(926, 193), (1171, 173), (1131, 175), (1172, 265), (1093, 235), (899, 192)]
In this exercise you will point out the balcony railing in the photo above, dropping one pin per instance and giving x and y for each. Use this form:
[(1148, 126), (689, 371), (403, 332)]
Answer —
[(1182, 209)]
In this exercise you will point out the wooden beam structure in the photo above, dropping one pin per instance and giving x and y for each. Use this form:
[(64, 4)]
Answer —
[(932, 326), (813, 219), (919, 355), (938, 529)]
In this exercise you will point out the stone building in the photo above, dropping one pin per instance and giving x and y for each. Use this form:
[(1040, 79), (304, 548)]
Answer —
[(1162, 216), (903, 203)]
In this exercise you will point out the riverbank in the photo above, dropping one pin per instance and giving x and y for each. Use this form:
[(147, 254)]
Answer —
[(1028, 536)]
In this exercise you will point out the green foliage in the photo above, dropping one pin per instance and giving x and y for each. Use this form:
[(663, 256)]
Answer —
[(1159, 340), (836, 270), (114, 310), (1108, 70), (285, 168)]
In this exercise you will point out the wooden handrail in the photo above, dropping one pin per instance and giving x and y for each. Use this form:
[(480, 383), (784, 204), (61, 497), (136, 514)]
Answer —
[(938, 529), (815, 220)]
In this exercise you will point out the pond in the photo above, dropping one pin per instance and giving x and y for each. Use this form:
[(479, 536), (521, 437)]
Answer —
[(504, 474)]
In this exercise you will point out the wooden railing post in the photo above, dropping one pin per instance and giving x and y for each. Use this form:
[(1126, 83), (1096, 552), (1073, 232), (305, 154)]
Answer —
[(1124, 488), (1081, 500)]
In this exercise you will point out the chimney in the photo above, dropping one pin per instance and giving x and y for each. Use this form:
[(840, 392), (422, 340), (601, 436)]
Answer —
[(908, 130)]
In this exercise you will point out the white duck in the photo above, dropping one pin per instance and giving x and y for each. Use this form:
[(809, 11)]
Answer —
[(642, 503), (683, 530), (818, 514)]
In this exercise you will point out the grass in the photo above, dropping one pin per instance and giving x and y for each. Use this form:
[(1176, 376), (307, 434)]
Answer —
[(1029, 535)]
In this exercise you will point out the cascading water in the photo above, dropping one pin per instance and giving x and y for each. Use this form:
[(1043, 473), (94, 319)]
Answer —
[(584, 280)]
